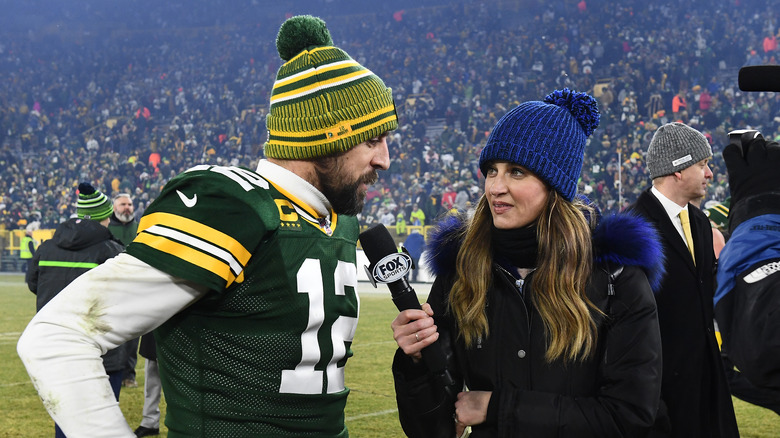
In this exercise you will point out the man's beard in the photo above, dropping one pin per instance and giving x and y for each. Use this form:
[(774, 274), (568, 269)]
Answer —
[(345, 197), (124, 217)]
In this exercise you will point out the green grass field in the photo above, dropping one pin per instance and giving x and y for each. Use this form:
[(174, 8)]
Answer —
[(371, 411)]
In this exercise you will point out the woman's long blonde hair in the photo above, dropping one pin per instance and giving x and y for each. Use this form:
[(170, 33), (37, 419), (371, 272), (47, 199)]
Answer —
[(564, 239)]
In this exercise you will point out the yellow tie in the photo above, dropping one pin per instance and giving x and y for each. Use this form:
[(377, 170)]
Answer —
[(686, 226)]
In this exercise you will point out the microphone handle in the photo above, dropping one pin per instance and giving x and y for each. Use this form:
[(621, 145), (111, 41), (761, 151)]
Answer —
[(404, 297)]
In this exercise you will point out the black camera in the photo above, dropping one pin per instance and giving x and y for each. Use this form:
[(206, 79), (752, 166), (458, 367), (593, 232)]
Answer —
[(759, 78)]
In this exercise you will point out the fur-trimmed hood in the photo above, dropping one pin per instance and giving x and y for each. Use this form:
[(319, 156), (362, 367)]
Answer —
[(619, 239)]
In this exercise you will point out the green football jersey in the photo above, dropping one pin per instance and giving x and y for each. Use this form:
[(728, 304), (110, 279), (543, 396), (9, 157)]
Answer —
[(262, 354)]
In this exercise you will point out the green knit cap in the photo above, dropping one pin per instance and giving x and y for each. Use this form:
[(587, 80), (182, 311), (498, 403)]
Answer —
[(323, 102), (93, 204)]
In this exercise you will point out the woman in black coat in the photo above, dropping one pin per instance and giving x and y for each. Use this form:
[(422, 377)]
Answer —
[(550, 327)]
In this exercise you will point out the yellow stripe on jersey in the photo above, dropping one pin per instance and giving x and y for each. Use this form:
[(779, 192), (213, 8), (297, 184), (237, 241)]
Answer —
[(202, 232), (190, 255)]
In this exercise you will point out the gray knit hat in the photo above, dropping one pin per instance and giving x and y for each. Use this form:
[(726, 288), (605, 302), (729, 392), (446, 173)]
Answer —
[(674, 147)]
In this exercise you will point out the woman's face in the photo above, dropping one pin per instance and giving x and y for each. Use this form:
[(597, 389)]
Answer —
[(515, 195)]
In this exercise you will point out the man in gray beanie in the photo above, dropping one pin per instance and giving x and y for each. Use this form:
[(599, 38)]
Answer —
[(695, 397)]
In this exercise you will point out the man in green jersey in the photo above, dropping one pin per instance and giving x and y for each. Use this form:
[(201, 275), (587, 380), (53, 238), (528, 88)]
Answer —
[(247, 276)]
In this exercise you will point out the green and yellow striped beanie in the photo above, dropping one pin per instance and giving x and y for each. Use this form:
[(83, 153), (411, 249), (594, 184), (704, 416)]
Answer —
[(323, 102), (93, 204)]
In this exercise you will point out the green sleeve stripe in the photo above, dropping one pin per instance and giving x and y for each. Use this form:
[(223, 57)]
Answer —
[(60, 264)]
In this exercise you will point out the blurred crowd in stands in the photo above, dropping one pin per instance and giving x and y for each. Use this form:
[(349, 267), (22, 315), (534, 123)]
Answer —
[(128, 101)]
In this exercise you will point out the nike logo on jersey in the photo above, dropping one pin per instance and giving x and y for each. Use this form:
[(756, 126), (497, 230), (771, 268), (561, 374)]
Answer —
[(188, 202)]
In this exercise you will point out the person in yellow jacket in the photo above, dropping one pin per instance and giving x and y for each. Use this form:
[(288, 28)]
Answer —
[(27, 249), (400, 223), (417, 216)]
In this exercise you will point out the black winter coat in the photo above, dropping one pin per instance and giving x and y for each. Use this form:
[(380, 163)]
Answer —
[(614, 393), (696, 400), (77, 246)]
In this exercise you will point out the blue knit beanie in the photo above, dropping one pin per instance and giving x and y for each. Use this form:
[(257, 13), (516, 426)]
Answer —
[(547, 138)]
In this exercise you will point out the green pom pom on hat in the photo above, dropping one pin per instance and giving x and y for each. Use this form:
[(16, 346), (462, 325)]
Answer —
[(323, 102), (299, 33), (93, 204)]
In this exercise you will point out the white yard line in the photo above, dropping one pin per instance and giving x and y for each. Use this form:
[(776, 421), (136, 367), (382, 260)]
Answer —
[(371, 414)]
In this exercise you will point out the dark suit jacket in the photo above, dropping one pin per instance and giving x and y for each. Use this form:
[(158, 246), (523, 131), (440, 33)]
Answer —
[(694, 391)]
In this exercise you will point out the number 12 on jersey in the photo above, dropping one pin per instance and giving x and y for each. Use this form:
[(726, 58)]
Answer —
[(304, 379)]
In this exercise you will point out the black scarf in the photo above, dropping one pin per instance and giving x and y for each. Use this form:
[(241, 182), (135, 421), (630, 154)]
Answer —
[(517, 246)]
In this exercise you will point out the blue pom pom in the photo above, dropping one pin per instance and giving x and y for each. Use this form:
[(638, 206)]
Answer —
[(581, 105)]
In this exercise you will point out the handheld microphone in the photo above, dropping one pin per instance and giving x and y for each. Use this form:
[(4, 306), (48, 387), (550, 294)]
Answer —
[(390, 267), (759, 78)]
